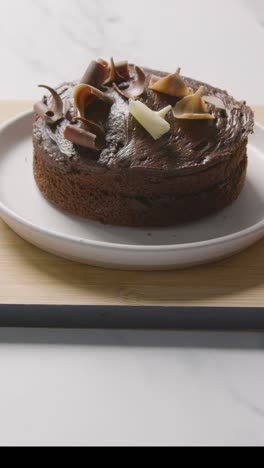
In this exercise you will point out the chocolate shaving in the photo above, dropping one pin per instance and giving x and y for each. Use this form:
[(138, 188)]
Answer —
[(57, 102), (79, 136), (113, 74), (215, 101), (136, 88), (41, 109), (52, 113), (48, 115), (85, 95), (218, 103), (95, 73), (104, 63), (93, 127), (118, 72), (122, 69), (192, 108), (173, 85)]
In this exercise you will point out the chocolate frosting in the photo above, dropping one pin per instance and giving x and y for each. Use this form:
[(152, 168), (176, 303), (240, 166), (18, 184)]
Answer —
[(190, 146)]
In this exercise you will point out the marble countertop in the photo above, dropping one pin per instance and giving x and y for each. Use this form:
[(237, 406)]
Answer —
[(47, 41), (84, 387), (79, 387)]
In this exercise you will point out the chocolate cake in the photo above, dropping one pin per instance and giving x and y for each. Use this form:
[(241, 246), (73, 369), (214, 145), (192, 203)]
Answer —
[(136, 147)]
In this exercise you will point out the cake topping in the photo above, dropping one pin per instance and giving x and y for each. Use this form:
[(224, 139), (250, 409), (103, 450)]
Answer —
[(122, 68), (95, 73), (163, 112), (104, 63), (216, 102), (81, 137), (118, 72), (192, 108), (152, 121), (173, 85), (43, 111), (93, 127), (88, 134), (57, 102), (53, 113), (136, 87), (85, 95)]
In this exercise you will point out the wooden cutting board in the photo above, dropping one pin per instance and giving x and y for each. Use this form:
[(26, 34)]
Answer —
[(31, 276)]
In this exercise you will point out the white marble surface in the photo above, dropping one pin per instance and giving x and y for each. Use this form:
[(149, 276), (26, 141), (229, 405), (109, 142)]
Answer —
[(47, 41), (131, 388)]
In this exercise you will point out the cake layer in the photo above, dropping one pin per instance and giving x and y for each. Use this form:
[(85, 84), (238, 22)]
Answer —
[(145, 183), (115, 209)]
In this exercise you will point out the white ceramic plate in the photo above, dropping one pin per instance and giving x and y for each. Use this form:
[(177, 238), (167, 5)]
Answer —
[(24, 209)]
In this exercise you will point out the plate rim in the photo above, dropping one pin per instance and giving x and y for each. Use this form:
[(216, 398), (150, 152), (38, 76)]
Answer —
[(4, 210)]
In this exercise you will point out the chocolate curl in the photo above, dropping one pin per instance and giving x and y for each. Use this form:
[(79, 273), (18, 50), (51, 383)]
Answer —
[(95, 73), (106, 66), (93, 127), (104, 63), (79, 136), (218, 103), (173, 85), (85, 95), (51, 114), (57, 102), (118, 72), (43, 111), (192, 108), (122, 69), (136, 88)]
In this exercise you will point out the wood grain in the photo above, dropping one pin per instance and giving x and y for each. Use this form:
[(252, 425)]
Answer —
[(30, 276)]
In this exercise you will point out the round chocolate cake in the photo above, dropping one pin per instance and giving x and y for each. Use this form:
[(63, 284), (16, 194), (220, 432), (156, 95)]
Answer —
[(136, 147)]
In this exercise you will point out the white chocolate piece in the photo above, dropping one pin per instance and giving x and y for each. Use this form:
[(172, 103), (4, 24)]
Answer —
[(192, 108), (150, 120), (164, 112)]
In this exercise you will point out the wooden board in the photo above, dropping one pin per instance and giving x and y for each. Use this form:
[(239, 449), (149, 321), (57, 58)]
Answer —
[(30, 276)]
